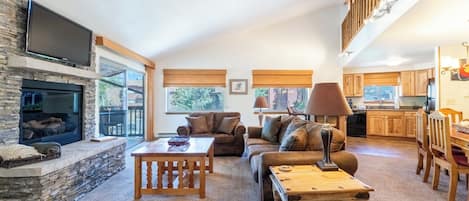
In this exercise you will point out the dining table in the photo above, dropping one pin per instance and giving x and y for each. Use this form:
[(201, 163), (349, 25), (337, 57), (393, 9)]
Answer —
[(461, 140)]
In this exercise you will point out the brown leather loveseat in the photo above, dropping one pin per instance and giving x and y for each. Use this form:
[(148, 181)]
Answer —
[(262, 154), (225, 143)]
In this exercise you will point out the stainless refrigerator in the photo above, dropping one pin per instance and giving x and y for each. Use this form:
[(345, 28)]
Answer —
[(430, 103)]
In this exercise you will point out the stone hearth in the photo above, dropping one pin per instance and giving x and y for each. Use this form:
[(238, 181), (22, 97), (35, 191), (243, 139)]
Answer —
[(83, 165)]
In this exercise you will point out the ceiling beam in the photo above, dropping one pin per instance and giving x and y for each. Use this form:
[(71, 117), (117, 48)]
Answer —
[(116, 47)]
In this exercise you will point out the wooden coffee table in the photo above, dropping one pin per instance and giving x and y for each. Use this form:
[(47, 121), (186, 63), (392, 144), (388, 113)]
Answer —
[(307, 182), (185, 158)]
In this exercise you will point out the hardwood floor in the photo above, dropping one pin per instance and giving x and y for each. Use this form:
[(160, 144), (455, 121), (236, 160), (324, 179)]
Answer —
[(388, 165)]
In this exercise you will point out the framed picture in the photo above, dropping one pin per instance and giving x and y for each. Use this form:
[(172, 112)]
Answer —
[(238, 86)]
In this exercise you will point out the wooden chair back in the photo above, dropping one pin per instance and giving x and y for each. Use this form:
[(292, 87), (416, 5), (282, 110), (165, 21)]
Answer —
[(422, 129), (440, 139), (454, 116)]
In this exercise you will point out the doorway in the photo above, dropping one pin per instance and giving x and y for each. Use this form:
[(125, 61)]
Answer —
[(121, 102)]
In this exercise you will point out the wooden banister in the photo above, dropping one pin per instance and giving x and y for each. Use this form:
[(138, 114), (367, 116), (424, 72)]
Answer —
[(359, 11)]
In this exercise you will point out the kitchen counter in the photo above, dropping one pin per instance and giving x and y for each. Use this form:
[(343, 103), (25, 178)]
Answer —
[(397, 110)]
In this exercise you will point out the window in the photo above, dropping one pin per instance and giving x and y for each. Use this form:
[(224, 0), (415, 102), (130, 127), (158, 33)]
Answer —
[(194, 99), (280, 98), (380, 93)]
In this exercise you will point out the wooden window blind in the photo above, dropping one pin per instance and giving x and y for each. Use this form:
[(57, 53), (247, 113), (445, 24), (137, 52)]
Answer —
[(382, 79), (282, 78), (194, 78)]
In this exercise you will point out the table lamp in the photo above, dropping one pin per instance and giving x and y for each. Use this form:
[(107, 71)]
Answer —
[(327, 99), (261, 102)]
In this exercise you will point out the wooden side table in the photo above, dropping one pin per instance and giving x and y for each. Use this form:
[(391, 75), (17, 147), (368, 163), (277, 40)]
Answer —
[(307, 182)]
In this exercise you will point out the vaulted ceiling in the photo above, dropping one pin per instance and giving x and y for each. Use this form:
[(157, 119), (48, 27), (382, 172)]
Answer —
[(411, 40), (155, 27)]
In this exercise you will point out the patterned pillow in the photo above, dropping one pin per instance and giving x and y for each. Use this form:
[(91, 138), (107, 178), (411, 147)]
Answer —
[(197, 124), (295, 141), (315, 141), (271, 128), (294, 124)]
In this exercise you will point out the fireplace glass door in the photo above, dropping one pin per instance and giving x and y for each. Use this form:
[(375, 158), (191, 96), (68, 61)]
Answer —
[(121, 101), (50, 112)]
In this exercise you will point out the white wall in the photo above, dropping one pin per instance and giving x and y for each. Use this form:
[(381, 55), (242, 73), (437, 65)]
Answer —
[(311, 41), (453, 94)]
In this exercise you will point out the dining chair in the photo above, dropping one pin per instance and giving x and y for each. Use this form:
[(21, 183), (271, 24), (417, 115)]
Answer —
[(454, 116), (443, 157), (423, 151)]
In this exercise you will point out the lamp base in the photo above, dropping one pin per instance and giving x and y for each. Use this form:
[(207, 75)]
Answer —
[(324, 166)]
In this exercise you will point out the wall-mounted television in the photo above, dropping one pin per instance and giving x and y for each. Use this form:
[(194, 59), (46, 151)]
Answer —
[(55, 37)]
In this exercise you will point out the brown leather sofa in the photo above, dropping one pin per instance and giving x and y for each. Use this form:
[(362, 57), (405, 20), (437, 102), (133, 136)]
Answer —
[(225, 144), (262, 154)]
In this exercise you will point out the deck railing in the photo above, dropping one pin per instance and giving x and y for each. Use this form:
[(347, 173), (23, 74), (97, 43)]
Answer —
[(360, 10), (122, 123)]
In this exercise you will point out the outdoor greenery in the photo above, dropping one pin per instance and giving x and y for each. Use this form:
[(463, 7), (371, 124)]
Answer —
[(380, 93), (185, 99), (281, 98)]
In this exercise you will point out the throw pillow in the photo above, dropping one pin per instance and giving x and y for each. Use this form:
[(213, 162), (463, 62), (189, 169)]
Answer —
[(295, 141), (285, 121), (227, 125), (294, 124), (197, 124), (271, 128), (315, 141)]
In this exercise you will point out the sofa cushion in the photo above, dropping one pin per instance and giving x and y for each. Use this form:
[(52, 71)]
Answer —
[(258, 149), (254, 141), (227, 125), (219, 116), (197, 124), (222, 138), (294, 124), (285, 121), (315, 140), (294, 141), (271, 129), (254, 164), (208, 117)]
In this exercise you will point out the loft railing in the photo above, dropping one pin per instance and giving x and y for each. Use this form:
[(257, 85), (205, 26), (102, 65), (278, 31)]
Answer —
[(359, 11)]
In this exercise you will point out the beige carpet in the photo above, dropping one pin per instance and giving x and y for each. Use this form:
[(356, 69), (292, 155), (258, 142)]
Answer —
[(387, 165)]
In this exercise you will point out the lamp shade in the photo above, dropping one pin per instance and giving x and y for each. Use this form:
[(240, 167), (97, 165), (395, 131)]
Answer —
[(328, 99), (261, 102)]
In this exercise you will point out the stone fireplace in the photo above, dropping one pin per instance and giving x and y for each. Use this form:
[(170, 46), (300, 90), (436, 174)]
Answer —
[(50, 112), (26, 84)]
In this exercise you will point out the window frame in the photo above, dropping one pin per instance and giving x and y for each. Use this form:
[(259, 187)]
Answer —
[(167, 102)]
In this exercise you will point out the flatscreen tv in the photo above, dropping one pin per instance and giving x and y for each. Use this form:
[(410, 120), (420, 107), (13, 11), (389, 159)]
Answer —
[(55, 37)]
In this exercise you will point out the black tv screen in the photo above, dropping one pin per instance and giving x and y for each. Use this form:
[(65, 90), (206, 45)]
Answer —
[(52, 35)]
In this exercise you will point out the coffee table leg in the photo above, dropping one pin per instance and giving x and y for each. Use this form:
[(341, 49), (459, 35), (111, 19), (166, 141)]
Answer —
[(138, 178), (202, 178), (210, 158)]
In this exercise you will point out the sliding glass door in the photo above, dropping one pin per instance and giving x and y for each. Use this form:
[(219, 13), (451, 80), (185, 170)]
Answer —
[(121, 102)]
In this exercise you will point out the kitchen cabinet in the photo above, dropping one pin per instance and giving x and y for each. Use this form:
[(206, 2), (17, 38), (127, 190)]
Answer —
[(375, 124), (414, 83), (394, 124), (431, 73), (358, 82), (421, 80), (408, 83), (353, 85), (410, 124), (348, 85), (390, 123)]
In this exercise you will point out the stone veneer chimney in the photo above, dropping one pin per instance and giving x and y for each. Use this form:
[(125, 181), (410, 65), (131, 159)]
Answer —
[(13, 16)]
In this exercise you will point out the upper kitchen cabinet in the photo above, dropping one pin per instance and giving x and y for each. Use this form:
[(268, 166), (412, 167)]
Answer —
[(421, 81), (353, 85), (408, 83), (414, 83)]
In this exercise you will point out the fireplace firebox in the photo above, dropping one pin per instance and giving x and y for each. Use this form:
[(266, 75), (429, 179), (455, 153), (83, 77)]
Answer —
[(50, 112)]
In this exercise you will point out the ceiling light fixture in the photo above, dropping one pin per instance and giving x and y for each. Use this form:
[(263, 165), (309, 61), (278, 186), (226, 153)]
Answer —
[(345, 54)]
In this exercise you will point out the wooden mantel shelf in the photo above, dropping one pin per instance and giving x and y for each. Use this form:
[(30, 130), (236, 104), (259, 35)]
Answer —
[(45, 66)]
